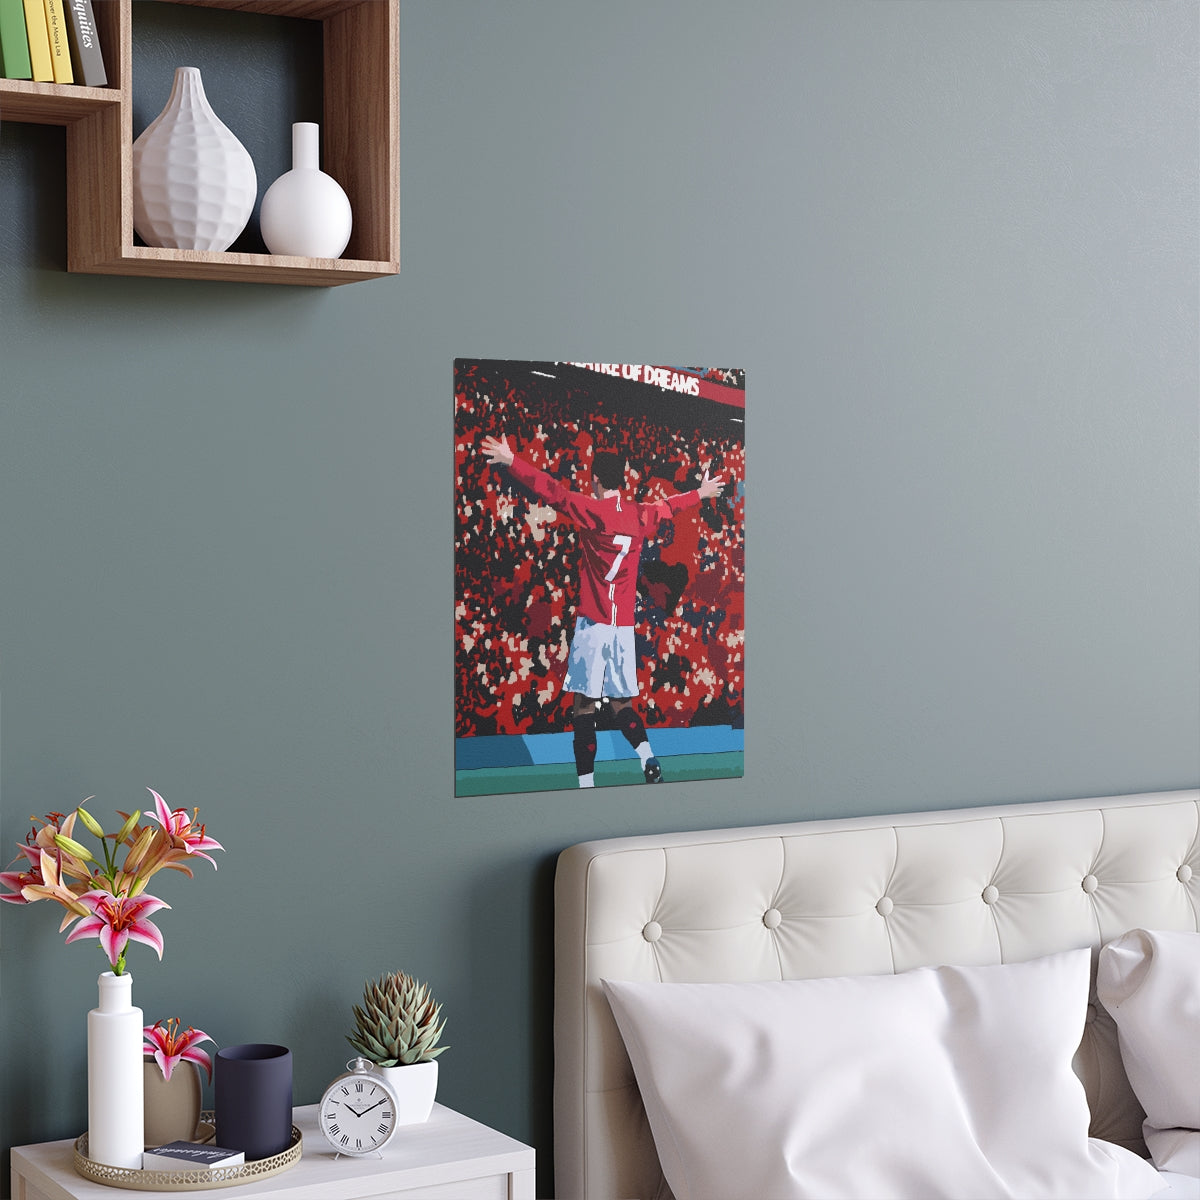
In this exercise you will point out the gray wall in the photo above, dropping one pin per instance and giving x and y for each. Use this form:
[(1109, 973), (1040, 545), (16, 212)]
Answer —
[(954, 245)]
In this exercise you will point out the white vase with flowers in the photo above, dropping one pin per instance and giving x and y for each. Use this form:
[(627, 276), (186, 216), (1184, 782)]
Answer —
[(106, 899)]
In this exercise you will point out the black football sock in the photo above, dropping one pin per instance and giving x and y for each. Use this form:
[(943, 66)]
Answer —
[(630, 723), (585, 743)]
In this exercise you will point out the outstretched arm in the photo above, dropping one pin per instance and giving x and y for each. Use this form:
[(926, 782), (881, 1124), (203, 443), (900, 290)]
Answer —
[(500, 454), (709, 486), (497, 450)]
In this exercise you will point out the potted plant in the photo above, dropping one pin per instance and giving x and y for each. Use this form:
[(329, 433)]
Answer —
[(398, 1027), (172, 1081)]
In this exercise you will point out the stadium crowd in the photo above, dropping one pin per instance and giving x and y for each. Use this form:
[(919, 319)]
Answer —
[(515, 563)]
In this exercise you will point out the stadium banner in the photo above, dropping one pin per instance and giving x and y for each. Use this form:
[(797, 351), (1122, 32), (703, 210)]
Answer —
[(721, 386), (599, 575)]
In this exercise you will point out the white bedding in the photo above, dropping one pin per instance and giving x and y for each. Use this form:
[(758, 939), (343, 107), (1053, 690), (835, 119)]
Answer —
[(1177, 1187), (933, 1084), (1149, 980)]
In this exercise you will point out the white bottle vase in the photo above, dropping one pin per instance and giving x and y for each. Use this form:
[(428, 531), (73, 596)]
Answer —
[(194, 183), (305, 211), (115, 1087)]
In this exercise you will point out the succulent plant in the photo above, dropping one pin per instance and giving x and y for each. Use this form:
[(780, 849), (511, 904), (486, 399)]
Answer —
[(397, 1023)]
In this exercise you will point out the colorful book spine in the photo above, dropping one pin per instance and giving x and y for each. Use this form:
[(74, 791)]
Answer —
[(39, 41), (86, 59), (14, 49), (60, 46)]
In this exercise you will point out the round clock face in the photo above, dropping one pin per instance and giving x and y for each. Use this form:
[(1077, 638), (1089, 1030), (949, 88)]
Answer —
[(357, 1115)]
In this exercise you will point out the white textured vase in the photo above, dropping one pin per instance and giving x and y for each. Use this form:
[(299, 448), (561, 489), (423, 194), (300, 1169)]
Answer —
[(305, 211), (415, 1088), (194, 183), (115, 1089)]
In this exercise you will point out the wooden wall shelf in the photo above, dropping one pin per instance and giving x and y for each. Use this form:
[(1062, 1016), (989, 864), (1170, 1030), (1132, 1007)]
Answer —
[(360, 134)]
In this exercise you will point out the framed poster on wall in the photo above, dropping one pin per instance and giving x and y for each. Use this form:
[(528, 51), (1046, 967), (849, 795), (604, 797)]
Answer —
[(599, 574)]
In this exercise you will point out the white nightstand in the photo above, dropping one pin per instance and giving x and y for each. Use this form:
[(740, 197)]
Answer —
[(449, 1157)]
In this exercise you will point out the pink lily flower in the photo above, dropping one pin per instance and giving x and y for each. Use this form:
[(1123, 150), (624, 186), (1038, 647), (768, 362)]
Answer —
[(116, 920), (169, 1046), (184, 834), (39, 842), (53, 823), (15, 881), (51, 887), (43, 881), (18, 881)]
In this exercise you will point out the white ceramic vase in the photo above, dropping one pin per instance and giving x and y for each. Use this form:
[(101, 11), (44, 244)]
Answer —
[(305, 211), (414, 1087), (194, 183), (115, 1089)]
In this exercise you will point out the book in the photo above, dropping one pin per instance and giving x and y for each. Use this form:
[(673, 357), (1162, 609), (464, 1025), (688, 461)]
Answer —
[(190, 1156), (86, 59), (39, 41), (14, 49), (60, 48)]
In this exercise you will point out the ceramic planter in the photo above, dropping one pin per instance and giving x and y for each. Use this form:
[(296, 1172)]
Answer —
[(414, 1087), (172, 1110)]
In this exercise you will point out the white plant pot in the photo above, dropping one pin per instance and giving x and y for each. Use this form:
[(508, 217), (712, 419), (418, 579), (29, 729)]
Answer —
[(305, 211), (415, 1088), (194, 183), (115, 1089)]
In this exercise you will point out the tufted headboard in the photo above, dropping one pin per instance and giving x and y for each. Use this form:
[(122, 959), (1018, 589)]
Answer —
[(868, 895)]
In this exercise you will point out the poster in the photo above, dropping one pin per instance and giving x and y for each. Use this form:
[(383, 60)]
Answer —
[(599, 575)]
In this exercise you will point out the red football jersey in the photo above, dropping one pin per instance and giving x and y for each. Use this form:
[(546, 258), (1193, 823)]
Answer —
[(611, 534)]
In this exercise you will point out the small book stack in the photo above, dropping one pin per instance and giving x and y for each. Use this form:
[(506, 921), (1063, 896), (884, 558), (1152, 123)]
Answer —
[(50, 41), (190, 1156)]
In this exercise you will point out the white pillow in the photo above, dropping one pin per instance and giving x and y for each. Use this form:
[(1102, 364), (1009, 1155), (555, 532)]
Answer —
[(950, 1082), (1150, 982)]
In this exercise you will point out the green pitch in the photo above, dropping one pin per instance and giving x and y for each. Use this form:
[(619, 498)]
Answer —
[(554, 777)]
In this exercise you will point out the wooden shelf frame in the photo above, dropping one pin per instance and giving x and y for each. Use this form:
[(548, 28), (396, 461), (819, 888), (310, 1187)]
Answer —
[(360, 134)]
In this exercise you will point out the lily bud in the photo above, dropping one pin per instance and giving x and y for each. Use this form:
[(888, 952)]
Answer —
[(129, 826), (73, 848), (93, 826)]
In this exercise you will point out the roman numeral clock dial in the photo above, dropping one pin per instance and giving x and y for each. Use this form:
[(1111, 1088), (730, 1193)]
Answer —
[(357, 1113)]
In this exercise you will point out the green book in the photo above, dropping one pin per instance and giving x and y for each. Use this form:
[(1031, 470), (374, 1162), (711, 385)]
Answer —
[(14, 47)]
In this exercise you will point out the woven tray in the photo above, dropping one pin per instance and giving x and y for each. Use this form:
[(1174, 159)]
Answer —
[(186, 1180)]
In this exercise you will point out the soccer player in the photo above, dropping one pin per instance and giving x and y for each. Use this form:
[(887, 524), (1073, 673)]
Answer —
[(603, 661)]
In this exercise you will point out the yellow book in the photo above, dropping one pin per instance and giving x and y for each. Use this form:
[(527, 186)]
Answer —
[(60, 45), (39, 41)]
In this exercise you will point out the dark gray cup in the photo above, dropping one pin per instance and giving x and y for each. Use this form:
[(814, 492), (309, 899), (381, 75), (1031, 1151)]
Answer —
[(253, 1099)]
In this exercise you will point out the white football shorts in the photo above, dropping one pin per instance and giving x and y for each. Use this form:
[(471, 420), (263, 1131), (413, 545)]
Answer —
[(603, 660)]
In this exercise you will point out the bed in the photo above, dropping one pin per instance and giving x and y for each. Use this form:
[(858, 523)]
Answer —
[(826, 915)]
